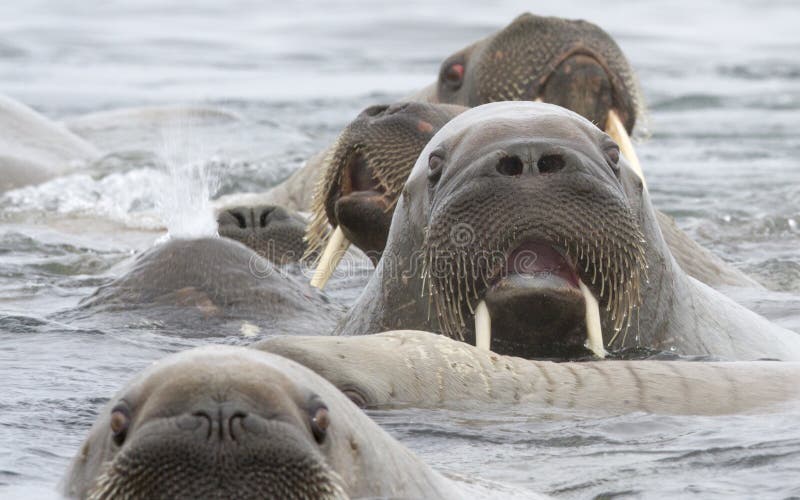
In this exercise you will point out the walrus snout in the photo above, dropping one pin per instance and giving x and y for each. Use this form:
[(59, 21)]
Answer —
[(271, 231), (221, 422), (218, 422), (581, 83)]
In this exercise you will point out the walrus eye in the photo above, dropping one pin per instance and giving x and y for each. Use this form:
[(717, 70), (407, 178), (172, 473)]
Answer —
[(355, 397), (453, 76), (613, 157), (435, 167), (120, 421), (319, 423)]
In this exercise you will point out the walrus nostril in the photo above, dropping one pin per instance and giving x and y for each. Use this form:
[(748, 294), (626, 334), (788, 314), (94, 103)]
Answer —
[(550, 163), (511, 166), (262, 220), (396, 108), (235, 424), (375, 110), (209, 422), (241, 221)]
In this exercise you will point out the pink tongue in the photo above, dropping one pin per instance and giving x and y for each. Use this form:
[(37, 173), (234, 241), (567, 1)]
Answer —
[(540, 260)]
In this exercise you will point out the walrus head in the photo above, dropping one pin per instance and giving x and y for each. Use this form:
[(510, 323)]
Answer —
[(233, 422), (215, 422), (187, 285), (526, 209), (574, 64), (366, 169), (273, 232)]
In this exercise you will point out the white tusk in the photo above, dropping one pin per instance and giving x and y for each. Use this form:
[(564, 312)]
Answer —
[(483, 327), (616, 130), (594, 332), (334, 251)]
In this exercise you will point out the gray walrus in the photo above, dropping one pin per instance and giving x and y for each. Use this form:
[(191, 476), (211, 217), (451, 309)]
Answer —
[(523, 219), (33, 149), (367, 166), (233, 422), (210, 286), (423, 369)]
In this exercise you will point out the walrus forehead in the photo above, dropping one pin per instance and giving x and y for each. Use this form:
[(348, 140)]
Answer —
[(497, 112), (222, 370)]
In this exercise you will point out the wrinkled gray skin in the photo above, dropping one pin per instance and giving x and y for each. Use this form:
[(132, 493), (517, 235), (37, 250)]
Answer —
[(423, 369), (33, 149), (211, 286), (233, 422), (677, 313), (273, 232)]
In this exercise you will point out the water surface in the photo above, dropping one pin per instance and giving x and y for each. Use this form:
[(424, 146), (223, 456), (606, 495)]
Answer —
[(720, 146)]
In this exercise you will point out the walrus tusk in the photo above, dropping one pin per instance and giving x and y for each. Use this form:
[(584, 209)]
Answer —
[(594, 332), (616, 130), (483, 327), (334, 251)]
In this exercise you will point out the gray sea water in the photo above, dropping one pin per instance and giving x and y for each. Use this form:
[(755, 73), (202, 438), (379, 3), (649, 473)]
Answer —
[(720, 147)]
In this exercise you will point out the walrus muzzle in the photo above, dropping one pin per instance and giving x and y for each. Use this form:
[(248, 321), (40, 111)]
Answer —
[(218, 451), (525, 228)]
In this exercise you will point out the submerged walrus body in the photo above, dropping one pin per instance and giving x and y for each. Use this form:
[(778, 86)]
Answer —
[(422, 369), (232, 422), (529, 209), (210, 286)]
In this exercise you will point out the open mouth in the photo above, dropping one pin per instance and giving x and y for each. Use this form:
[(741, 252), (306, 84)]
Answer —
[(363, 209), (539, 306)]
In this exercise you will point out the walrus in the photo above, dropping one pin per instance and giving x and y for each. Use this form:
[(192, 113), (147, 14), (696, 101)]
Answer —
[(234, 422), (422, 369), (368, 165), (571, 63), (34, 149), (210, 286), (522, 228), (273, 232)]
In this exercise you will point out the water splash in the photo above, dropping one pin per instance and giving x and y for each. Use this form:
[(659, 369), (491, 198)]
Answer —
[(192, 178)]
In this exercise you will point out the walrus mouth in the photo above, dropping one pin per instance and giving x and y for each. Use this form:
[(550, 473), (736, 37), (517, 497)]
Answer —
[(546, 287), (351, 189), (539, 296), (354, 195)]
